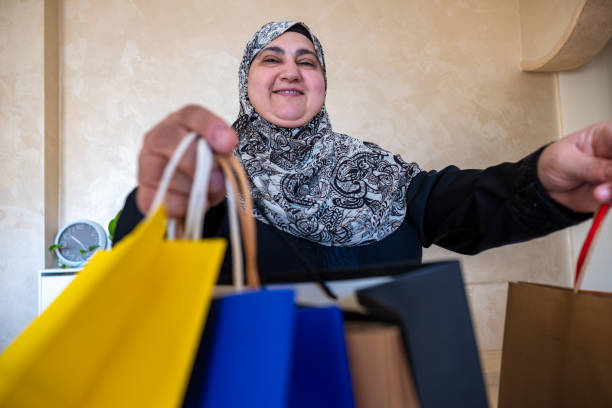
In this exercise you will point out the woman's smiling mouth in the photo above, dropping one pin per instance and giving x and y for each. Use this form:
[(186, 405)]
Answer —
[(288, 92)]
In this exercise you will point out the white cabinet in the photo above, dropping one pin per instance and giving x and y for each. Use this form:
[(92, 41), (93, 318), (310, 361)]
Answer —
[(51, 282)]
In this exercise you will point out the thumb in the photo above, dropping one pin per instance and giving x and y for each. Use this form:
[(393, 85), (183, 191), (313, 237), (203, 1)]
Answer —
[(603, 193)]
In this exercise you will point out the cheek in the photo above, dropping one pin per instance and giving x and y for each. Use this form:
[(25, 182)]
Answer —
[(255, 86), (318, 91), (251, 94)]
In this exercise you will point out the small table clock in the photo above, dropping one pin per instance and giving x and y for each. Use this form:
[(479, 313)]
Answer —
[(77, 242)]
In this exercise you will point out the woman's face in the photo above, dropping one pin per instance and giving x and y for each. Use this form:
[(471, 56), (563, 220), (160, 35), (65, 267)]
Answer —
[(286, 85)]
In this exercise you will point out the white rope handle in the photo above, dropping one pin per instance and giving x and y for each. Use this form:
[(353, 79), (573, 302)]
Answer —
[(199, 188), (169, 171), (197, 204), (199, 191), (194, 219)]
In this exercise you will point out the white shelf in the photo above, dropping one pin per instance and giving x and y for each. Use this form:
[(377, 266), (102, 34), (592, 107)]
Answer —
[(51, 282)]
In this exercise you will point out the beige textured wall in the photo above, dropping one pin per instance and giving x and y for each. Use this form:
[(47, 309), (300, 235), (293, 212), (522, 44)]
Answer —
[(586, 98), (21, 157), (436, 81)]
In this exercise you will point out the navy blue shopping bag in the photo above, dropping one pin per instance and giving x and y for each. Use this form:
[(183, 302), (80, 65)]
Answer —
[(320, 374), (259, 350)]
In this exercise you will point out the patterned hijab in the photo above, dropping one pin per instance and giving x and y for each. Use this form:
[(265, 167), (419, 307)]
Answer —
[(314, 183)]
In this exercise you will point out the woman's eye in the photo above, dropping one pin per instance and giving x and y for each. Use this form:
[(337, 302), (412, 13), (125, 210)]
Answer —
[(307, 63), (270, 59)]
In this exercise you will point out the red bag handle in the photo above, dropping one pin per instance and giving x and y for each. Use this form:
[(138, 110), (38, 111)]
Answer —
[(597, 221)]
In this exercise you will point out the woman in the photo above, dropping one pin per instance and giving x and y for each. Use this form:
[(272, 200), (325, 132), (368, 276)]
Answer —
[(341, 202)]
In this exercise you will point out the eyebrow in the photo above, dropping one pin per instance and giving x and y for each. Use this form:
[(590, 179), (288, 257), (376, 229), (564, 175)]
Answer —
[(304, 51), (279, 50)]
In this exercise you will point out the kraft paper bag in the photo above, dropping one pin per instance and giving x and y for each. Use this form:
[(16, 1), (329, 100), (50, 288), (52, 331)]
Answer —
[(380, 369), (557, 349)]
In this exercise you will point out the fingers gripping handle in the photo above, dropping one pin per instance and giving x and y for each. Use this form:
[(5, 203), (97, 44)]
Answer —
[(199, 188), (239, 201)]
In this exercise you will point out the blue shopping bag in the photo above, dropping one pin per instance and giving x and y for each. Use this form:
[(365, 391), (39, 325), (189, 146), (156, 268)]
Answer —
[(320, 375), (259, 350), (245, 352)]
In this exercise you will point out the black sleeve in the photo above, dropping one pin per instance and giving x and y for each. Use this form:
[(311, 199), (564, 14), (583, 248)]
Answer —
[(131, 216), (469, 211)]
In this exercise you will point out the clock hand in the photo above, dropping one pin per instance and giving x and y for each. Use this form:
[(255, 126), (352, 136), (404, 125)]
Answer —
[(79, 242)]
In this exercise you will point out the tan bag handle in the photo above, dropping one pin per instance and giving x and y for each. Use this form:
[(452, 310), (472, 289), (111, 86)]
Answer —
[(233, 171)]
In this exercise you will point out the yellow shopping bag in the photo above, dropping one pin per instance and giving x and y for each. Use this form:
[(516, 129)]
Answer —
[(124, 332)]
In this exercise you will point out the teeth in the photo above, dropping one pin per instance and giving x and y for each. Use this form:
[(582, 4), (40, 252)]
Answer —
[(288, 92)]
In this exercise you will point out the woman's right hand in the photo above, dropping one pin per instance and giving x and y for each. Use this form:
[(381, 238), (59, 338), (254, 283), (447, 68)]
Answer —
[(159, 144)]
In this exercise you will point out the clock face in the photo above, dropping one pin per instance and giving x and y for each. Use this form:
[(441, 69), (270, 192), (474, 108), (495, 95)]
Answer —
[(78, 242)]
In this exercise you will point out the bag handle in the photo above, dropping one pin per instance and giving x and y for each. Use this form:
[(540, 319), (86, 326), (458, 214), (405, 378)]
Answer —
[(240, 209), (169, 171), (584, 251), (194, 220), (237, 186)]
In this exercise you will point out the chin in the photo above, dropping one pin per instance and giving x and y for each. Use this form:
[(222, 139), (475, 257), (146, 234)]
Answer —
[(288, 122)]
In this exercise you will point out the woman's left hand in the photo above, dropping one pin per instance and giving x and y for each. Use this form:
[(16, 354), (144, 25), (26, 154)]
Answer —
[(577, 170)]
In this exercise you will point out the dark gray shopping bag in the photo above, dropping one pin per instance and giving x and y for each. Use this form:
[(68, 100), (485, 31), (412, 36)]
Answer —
[(430, 305)]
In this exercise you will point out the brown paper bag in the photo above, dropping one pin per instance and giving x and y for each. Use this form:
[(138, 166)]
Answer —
[(557, 349), (380, 370)]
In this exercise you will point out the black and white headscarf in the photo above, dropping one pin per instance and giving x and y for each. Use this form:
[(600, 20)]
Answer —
[(314, 183)]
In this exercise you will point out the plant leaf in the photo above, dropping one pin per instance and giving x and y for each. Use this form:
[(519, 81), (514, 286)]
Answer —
[(55, 246), (112, 225)]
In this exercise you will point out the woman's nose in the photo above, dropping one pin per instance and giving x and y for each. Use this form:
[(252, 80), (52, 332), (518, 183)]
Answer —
[(290, 72)]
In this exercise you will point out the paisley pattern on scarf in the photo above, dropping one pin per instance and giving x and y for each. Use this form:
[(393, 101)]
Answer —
[(314, 183)]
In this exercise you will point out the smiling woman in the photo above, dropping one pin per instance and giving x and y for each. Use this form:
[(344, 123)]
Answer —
[(286, 85), (307, 179)]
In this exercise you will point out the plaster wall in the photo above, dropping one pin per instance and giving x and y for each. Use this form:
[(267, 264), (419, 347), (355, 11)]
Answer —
[(21, 163), (436, 81)]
